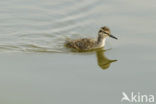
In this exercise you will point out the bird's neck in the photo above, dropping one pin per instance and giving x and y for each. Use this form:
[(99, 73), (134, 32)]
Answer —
[(101, 41)]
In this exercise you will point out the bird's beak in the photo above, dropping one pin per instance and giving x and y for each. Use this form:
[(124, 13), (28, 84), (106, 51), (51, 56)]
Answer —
[(110, 35)]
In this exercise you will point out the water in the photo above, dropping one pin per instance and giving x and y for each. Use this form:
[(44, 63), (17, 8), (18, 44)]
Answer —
[(36, 68)]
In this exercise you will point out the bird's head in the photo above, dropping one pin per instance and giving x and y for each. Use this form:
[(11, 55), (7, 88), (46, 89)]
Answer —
[(104, 32)]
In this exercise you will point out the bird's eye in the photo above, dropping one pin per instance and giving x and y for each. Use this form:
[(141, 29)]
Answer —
[(100, 31)]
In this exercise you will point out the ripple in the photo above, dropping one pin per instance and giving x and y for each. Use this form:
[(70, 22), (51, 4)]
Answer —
[(32, 26)]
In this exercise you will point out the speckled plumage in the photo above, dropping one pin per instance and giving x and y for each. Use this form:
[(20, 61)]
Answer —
[(90, 44), (81, 44)]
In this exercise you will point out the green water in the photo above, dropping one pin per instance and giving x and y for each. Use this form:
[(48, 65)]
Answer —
[(36, 68)]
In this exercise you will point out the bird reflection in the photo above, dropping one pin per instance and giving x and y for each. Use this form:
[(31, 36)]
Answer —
[(102, 60)]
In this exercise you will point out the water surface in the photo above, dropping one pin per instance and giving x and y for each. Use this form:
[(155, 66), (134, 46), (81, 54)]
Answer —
[(36, 68)]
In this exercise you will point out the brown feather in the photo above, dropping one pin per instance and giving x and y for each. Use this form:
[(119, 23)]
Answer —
[(81, 44)]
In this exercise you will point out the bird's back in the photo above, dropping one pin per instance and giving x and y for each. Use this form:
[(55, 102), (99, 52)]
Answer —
[(81, 44)]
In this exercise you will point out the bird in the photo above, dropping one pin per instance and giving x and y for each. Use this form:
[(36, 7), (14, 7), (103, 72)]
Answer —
[(86, 44)]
